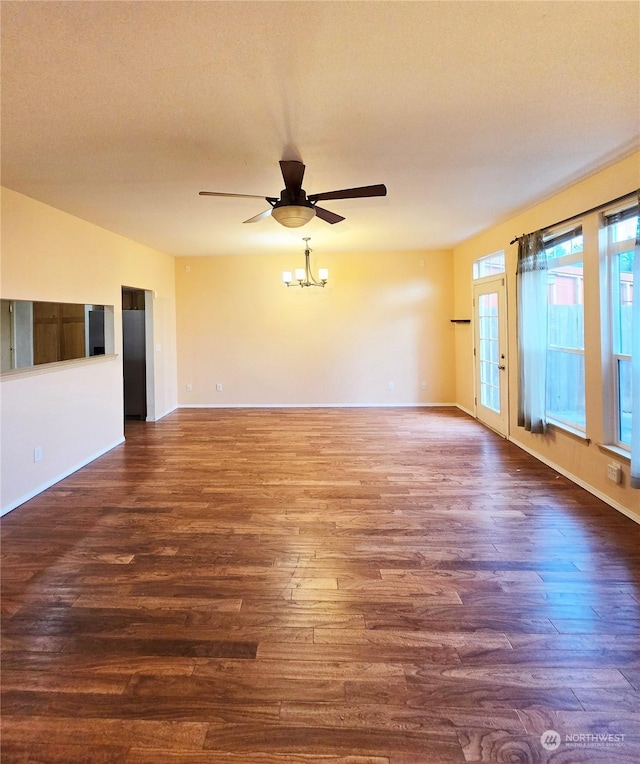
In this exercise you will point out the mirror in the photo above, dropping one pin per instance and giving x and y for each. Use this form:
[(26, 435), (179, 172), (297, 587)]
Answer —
[(36, 333)]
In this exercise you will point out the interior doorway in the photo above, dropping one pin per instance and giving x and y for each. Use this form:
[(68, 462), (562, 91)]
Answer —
[(490, 354), (137, 353)]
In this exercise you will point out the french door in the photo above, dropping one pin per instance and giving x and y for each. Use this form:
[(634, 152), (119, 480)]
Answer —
[(490, 352)]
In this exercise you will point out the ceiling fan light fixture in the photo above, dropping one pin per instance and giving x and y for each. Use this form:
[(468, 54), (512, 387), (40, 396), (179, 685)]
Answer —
[(294, 208), (293, 215)]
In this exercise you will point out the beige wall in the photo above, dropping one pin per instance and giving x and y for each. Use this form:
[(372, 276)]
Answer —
[(581, 459), (382, 318), (74, 412)]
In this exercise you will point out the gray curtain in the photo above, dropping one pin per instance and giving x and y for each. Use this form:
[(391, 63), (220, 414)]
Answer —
[(532, 331)]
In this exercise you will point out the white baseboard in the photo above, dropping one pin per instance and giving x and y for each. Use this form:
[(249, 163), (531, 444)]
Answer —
[(43, 487), (574, 479), (163, 414)]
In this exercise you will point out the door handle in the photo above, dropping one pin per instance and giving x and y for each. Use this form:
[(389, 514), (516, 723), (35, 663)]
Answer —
[(502, 368)]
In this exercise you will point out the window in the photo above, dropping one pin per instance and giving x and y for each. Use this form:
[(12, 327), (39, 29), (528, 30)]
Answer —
[(37, 333), (565, 388), (620, 228), (490, 265)]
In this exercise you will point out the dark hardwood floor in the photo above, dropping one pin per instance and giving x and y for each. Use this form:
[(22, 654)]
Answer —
[(353, 586)]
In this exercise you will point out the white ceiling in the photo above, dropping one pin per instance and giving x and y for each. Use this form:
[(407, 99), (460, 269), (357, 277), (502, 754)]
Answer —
[(120, 112)]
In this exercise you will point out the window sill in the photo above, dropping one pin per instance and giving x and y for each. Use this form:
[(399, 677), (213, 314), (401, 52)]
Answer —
[(616, 451), (45, 368), (567, 429)]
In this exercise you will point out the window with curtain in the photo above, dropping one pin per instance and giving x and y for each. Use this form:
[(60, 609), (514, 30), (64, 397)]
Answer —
[(565, 381), (621, 228), (550, 330), (550, 296)]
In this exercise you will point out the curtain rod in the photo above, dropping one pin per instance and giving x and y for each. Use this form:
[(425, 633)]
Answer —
[(580, 214)]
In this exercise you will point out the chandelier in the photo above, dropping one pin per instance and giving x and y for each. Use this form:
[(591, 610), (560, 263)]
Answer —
[(303, 276)]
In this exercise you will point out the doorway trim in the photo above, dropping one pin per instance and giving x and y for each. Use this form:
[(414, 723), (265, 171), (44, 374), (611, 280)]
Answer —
[(150, 355), (149, 295)]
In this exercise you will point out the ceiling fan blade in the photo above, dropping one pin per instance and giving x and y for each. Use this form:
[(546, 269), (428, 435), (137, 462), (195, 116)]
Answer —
[(327, 215), (292, 173), (351, 193), (242, 196), (261, 216)]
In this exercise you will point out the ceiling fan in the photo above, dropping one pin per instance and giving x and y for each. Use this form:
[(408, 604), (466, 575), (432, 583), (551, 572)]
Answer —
[(294, 208)]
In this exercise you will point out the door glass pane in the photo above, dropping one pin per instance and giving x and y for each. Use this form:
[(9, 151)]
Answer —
[(489, 351)]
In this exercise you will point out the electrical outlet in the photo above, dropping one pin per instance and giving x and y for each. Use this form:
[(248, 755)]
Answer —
[(614, 472), (37, 454), (423, 386), (189, 388), (392, 386), (219, 387)]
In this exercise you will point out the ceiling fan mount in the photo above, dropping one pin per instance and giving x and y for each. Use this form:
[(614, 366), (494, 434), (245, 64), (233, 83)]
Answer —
[(294, 208)]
